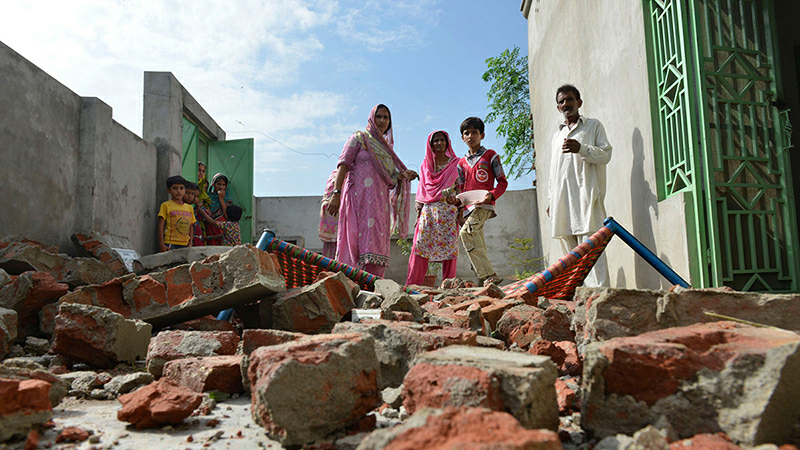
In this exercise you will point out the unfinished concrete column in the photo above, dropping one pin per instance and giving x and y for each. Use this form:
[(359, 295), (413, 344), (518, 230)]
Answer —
[(95, 138), (163, 109)]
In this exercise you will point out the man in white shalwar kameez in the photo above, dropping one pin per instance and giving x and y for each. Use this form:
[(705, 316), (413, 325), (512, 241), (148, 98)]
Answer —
[(577, 183)]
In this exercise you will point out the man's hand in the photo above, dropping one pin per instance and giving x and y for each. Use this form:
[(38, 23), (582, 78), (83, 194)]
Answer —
[(453, 200), (570, 146)]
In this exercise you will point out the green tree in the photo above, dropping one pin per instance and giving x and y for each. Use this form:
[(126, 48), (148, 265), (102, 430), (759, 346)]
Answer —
[(509, 101)]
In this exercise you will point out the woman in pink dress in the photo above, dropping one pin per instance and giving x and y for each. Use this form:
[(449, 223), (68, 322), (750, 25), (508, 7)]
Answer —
[(436, 231), (367, 173)]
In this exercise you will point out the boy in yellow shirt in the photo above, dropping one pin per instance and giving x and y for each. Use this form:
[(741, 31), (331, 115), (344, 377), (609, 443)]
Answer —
[(175, 218)]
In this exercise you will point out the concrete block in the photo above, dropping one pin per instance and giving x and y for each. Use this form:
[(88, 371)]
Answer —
[(386, 287), (563, 353), (253, 339), (368, 300), (122, 384), (519, 383), (302, 391), (16, 368), (399, 301), (27, 295), (24, 405), (98, 336), (315, 308), (720, 376), (19, 257), (397, 344), (524, 325), (211, 373), (455, 428), (158, 403), (5, 278), (101, 246), (179, 344), (8, 330)]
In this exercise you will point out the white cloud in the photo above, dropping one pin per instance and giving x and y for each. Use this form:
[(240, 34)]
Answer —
[(243, 60)]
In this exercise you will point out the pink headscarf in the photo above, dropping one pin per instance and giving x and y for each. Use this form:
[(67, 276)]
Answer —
[(431, 182), (389, 166)]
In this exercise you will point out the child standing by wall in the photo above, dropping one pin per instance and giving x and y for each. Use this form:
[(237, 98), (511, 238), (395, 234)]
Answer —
[(479, 169), (175, 218), (201, 215)]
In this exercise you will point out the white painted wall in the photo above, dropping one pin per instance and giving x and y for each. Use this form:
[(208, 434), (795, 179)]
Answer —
[(292, 217), (599, 47)]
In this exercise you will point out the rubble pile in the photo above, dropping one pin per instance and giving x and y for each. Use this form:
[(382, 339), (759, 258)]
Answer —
[(330, 366)]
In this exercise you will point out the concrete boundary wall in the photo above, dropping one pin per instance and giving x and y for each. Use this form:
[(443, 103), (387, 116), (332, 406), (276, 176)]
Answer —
[(67, 166), (297, 219)]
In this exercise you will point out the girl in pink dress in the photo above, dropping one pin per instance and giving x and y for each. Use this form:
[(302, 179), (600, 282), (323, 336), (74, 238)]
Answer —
[(367, 173), (436, 231)]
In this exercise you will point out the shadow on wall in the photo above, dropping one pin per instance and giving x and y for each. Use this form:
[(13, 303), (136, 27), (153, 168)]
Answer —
[(642, 201)]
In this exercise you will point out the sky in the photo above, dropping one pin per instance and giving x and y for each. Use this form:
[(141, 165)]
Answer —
[(297, 76)]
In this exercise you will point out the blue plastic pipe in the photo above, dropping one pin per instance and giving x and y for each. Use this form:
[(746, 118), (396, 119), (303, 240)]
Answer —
[(645, 253)]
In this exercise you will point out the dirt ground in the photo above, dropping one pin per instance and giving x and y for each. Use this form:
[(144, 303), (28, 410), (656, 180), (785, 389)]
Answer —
[(235, 429)]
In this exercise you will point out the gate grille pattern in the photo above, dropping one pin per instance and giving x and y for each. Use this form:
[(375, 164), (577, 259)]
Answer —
[(748, 212)]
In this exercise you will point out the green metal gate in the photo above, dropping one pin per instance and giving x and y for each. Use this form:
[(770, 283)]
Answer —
[(727, 150)]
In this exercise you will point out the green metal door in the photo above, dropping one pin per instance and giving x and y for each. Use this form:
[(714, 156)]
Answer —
[(673, 101), (720, 142), (235, 160), (190, 141), (752, 238)]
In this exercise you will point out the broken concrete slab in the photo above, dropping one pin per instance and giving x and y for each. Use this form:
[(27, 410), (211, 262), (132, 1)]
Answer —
[(27, 295), (302, 391), (719, 376), (315, 308), (519, 383), (101, 246), (179, 344), (241, 275), (397, 344), (108, 295), (19, 257), (8, 330), (453, 428), (159, 262), (211, 373), (24, 404), (157, 403), (98, 336)]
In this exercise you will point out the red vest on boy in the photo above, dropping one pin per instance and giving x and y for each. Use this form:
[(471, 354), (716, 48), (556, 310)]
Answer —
[(482, 176)]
